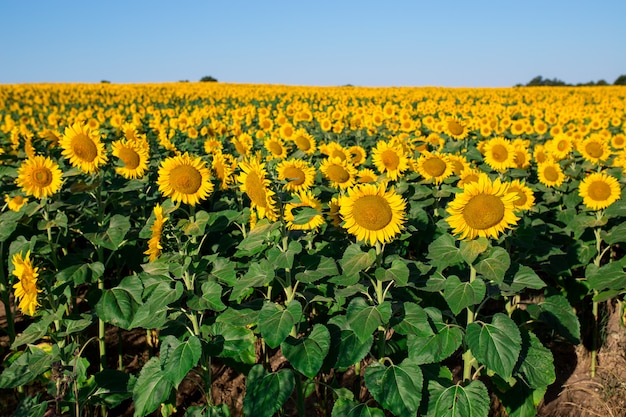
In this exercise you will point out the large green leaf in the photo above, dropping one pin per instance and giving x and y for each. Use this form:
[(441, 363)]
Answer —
[(497, 345), (494, 264), (398, 272), (307, 354), (224, 270), (315, 268), (354, 261), (232, 342), (557, 313), (460, 295), (436, 346), (414, 321), (348, 408), (118, 305), (519, 401), (536, 366), (151, 389), (178, 358), (267, 392), (398, 388), (346, 347), (276, 322), (606, 277), (28, 366), (524, 277), (34, 331), (259, 274), (113, 237), (617, 234), (471, 249), (258, 238), (8, 223), (443, 252), (461, 401), (364, 318)]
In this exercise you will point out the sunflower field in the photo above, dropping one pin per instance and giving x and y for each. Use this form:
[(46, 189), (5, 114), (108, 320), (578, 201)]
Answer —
[(341, 251)]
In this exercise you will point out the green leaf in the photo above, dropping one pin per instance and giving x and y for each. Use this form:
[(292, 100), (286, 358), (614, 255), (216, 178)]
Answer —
[(348, 408), (354, 261), (257, 239), (307, 354), (28, 366), (232, 342), (221, 410), (345, 345), (536, 367), (276, 322), (114, 236), (34, 331), (211, 298), (244, 314), (606, 277), (364, 319), (523, 278), (397, 272), (496, 345), (177, 358), (458, 401), (118, 305), (316, 268), (519, 401), (434, 347), (151, 389), (398, 388), (494, 265), (460, 295), (443, 252), (617, 234), (471, 249), (73, 325), (414, 321), (224, 270), (557, 313), (259, 274), (112, 387), (8, 223), (280, 259), (31, 407), (267, 392)]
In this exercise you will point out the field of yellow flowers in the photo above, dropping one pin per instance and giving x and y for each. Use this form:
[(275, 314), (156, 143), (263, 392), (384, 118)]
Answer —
[(342, 251)]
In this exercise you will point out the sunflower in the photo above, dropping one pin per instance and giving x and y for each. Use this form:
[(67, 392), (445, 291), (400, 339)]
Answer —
[(484, 208), (333, 212), (618, 141), (243, 144), (340, 173), (254, 183), (470, 175), (357, 155), (212, 145), (335, 150), (541, 154), (599, 190), (521, 157), (499, 154), (39, 177), (15, 203), (185, 178), (526, 199), (560, 146), (372, 213), (275, 147), (458, 163), (26, 288), (224, 166), (299, 174), (550, 174), (154, 244), (366, 175), (434, 166), (304, 141), (133, 157), (390, 159), (306, 200), (455, 128), (83, 148), (594, 149)]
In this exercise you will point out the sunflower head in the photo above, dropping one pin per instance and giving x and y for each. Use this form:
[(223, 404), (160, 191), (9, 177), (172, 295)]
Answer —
[(83, 148), (599, 190), (39, 177), (185, 178)]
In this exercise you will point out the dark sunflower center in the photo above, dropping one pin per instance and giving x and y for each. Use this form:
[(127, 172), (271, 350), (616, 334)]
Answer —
[(599, 191), (303, 143), (434, 167), (338, 174), (276, 148), (130, 158), (594, 149), (372, 212), (499, 153), (296, 175), (390, 159), (84, 147), (551, 173), (483, 211), (520, 158), (455, 127), (185, 179), (521, 198), (42, 177), (337, 153)]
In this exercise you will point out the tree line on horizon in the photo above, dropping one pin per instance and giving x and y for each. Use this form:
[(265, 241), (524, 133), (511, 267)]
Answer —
[(539, 81)]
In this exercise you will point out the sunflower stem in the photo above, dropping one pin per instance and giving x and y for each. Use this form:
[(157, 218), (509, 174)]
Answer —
[(468, 358), (594, 304), (100, 282)]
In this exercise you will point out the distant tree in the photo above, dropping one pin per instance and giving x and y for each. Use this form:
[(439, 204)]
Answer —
[(208, 78), (602, 82), (539, 81), (183, 81), (621, 80), (105, 82)]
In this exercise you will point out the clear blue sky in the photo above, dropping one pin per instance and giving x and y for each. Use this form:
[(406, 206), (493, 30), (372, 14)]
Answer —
[(321, 42)]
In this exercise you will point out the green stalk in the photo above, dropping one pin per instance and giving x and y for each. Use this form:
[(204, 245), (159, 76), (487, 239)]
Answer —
[(6, 300), (594, 306), (300, 396), (468, 358), (100, 282)]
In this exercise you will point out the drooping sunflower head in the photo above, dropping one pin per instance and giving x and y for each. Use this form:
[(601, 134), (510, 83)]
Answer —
[(299, 174), (132, 156), (434, 166), (470, 175), (39, 177), (357, 155), (252, 181), (366, 175), (390, 159), (599, 190), (526, 198), (307, 221), (304, 141), (458, 163), (340, 173), (185, 178), (455, 128), (484, 208), (15, 203), (275, 147), (26, 288), (372, 213), (83, 148)]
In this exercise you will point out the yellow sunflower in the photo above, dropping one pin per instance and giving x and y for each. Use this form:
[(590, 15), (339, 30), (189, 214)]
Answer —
[(340, 173), (275, 147), (335, 150), (618, 141), (154, 244), (366, 175), (185, 178), (15, 203), (39, 177), (357, 155), (560, 146), (595, 149), (434, 166), (133, 157), (599, 190), (470, 175), (458, 163), (526, 198), (243, 144), (455, 128), (304, 141), (26, 288), (484, 208), (333, 212), (306, 200), (254, 183), (550, 174), (224, 166), (390, 159), (299, 174), (541, 154), (213, 145), (499, 154), (372, 213), (83, 148)]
